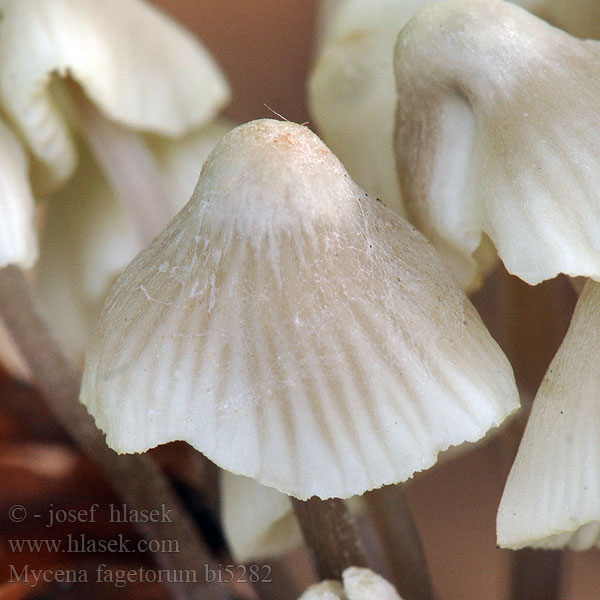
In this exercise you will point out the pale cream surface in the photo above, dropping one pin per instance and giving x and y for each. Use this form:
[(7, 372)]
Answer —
[(139, 67), (18, 242), (293, 330), (552, 495), (497, 133)]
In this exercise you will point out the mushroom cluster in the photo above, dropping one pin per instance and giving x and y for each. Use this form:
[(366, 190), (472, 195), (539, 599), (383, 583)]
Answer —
[(303, 320)]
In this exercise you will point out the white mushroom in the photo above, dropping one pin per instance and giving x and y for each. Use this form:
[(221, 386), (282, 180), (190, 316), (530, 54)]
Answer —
[(552, 496), (293, 330), (498, 133)]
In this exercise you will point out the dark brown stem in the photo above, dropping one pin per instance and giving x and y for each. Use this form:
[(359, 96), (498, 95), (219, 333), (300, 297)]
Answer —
[(331, 536), (135, 478), (401, 542), (536, 574)]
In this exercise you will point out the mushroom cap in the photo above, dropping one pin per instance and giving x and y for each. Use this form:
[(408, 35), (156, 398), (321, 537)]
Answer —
[(141, 68), (498, 132), (293, 330), (552, 495)]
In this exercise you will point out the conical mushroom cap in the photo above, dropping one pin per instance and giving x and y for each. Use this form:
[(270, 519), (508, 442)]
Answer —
[(293, 330), (498, 132), (552, 495)]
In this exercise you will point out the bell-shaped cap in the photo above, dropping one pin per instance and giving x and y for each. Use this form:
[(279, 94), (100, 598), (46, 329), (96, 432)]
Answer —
[(498, 132), (18, 241), (293, 330), (139, 67), (357, 584), (552, 496), (258, 521)]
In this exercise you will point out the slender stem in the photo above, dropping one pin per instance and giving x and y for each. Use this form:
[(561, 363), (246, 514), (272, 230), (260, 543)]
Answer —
[(400, 538), (331, 535), (135, 478), (127, 164), (536, 574)]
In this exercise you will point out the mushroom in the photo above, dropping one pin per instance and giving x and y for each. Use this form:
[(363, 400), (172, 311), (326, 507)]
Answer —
[(498, 134), (552, 495), (79, 83), (105, 72), (139, 67), (294, 331), (357, 584)]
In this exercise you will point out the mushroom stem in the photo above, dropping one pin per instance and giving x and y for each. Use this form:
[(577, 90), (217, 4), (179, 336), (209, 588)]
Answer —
[(536, 574), (331, 535), (136, 478), (401, 541), (128, 165)]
